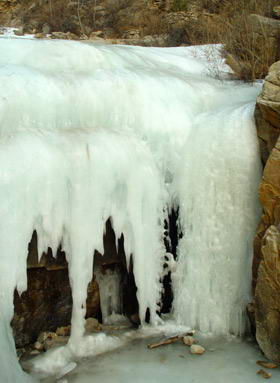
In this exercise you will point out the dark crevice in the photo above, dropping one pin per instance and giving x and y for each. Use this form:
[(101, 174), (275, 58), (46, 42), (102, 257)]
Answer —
[(171, 239)]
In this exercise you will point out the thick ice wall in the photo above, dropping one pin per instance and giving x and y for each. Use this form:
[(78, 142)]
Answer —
[(218, 199), (91, 132)]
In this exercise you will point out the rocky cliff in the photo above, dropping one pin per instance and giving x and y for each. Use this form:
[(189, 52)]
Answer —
[(266, 265)]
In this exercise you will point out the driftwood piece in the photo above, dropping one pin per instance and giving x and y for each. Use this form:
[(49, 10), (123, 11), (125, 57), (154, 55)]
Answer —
[(172, 339), (265, 364)]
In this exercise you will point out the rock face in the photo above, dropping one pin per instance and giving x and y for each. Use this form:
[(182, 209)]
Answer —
[(266, 264), (47, 303), (267, 300), (266, 32), (267, 112)]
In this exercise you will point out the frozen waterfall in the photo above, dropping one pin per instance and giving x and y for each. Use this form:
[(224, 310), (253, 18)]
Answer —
[(89, 132)]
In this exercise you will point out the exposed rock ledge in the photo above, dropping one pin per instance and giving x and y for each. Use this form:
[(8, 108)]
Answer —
[(266, 265)]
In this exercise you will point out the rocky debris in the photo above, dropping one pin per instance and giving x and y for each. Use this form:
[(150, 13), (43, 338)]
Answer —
[(264, 374), (146, 41), (189, 340), (196, 349), (38, 346), (40, 35), (45, 340), (63, 331), (266, 364), (97, 34), (92, 325), (64, 36), (131, 34)]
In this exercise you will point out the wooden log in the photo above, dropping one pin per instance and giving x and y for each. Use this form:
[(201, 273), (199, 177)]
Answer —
[(169, 340)]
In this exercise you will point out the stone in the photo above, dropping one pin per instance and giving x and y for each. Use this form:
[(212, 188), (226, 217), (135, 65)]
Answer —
[(266, 364), (63, 331), (38, 346), (264, 25), (264, 374), (44, 336), (188, 340), (40, 35), (267, 112), (92, 325), (196, 349)]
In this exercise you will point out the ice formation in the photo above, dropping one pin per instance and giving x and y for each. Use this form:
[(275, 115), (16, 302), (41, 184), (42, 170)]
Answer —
[(109, 283), (89, 132)]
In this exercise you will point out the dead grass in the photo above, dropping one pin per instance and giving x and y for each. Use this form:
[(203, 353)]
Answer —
[(229, 24)]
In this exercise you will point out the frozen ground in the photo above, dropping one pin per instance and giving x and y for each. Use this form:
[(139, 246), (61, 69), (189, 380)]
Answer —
[(224, 362)]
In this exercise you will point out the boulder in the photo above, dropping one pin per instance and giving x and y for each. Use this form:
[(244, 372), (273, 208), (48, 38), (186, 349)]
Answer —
[(92, 325), (264, 25), (266, 32), (267, 297), (267, 113)]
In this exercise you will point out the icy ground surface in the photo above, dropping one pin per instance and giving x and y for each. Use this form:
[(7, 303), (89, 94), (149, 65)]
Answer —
[(224, 362), (91, 132)]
